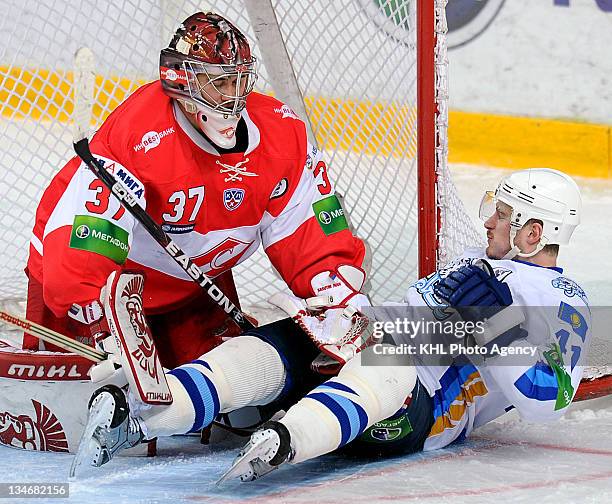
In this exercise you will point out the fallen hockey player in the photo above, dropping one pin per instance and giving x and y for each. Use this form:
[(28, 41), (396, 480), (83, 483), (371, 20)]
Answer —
[(530, 214)]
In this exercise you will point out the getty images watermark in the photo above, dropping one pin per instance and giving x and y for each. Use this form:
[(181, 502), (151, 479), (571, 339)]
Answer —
[(512, 336), (439, 332)]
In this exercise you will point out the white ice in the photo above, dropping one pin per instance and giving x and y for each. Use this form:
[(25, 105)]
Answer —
[(505, 461)]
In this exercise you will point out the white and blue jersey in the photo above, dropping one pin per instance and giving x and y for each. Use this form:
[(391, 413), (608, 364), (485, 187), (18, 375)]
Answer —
[(557, 326)]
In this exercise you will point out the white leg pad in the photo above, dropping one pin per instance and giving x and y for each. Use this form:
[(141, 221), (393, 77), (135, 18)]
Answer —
[(248, 372)]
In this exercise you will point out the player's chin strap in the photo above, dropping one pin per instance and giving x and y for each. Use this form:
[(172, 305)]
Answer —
[(516, 251)]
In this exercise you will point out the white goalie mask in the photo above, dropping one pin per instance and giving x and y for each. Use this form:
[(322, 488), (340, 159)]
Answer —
[(547, 195)]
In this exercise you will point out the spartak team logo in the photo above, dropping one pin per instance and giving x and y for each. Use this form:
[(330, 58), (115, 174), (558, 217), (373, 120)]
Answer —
[(233, 198), (145, 351), (43, 434)]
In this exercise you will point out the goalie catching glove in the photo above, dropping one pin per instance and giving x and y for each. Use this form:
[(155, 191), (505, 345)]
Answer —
[(332, 319)]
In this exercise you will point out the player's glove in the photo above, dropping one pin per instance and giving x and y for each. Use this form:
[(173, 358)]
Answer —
[(471, 288), (94, 326), (333, 319)]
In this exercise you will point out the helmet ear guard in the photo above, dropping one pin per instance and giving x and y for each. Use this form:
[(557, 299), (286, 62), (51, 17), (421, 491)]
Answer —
[(547, 195)]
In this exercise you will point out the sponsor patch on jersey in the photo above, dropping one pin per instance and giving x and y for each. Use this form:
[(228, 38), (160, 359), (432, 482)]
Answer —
[(565, 391), (280, 189), (330, 215), (99, 236), (388, 430), (152, 139), (310, 157), (233, 198), (178, 228), (287, 112), (130, 181)]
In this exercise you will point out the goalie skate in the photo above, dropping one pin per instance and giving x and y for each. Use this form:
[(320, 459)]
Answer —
[(109, 428), (268, 448)]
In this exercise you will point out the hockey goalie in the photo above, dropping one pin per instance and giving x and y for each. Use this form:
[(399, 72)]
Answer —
[(223, 170)]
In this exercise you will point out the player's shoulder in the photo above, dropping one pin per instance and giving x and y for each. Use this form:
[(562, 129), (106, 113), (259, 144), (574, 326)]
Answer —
[(282, 132), (549, 285), (147, 111)]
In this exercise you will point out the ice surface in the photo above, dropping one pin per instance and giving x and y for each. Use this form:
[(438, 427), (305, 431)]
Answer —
[(505, 461)]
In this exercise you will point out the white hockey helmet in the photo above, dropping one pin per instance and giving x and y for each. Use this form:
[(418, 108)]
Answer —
[(544, 194)]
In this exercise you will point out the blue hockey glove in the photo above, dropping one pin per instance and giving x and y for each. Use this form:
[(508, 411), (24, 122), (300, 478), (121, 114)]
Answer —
[(473, 286), (477, 294)]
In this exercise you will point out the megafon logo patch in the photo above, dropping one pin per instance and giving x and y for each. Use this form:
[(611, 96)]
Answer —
[(467, 19), (152, 139)]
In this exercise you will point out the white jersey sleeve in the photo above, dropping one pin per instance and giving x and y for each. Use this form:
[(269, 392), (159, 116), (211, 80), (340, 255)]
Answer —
[(558, 330)]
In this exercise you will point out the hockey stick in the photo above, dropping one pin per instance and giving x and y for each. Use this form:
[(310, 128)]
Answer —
[(51, 336), (84, 80)]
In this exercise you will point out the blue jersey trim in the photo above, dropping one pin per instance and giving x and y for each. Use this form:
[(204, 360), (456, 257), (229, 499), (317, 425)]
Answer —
[(538, 382), (554, 268)]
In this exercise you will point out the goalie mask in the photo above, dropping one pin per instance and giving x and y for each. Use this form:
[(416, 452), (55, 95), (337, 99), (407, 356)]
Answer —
[(208, 66), (549, 196)]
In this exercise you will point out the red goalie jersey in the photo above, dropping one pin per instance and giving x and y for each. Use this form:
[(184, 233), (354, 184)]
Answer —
[(218, 207)]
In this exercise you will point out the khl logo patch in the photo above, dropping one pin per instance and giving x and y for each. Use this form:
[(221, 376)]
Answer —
[(233, 198)]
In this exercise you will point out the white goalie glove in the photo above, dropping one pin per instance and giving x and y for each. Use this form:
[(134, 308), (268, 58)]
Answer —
[(332, 319)]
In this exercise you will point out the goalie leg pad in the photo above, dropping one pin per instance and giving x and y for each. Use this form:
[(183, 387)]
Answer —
[(123, 308), (344, 407)]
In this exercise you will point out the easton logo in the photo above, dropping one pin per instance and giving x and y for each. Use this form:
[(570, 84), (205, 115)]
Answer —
[(152, 139), (233, 198)]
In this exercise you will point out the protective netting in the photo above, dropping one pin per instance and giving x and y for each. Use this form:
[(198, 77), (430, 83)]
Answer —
[(355, 65)]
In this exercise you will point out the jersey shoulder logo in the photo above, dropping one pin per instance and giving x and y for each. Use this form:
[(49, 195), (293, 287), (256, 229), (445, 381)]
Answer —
[(286, 112), (121, 173), (152, 139), (569, 288), (280, 189)]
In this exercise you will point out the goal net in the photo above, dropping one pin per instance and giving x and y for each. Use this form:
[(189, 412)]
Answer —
[(368, 76), (349, 67)]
